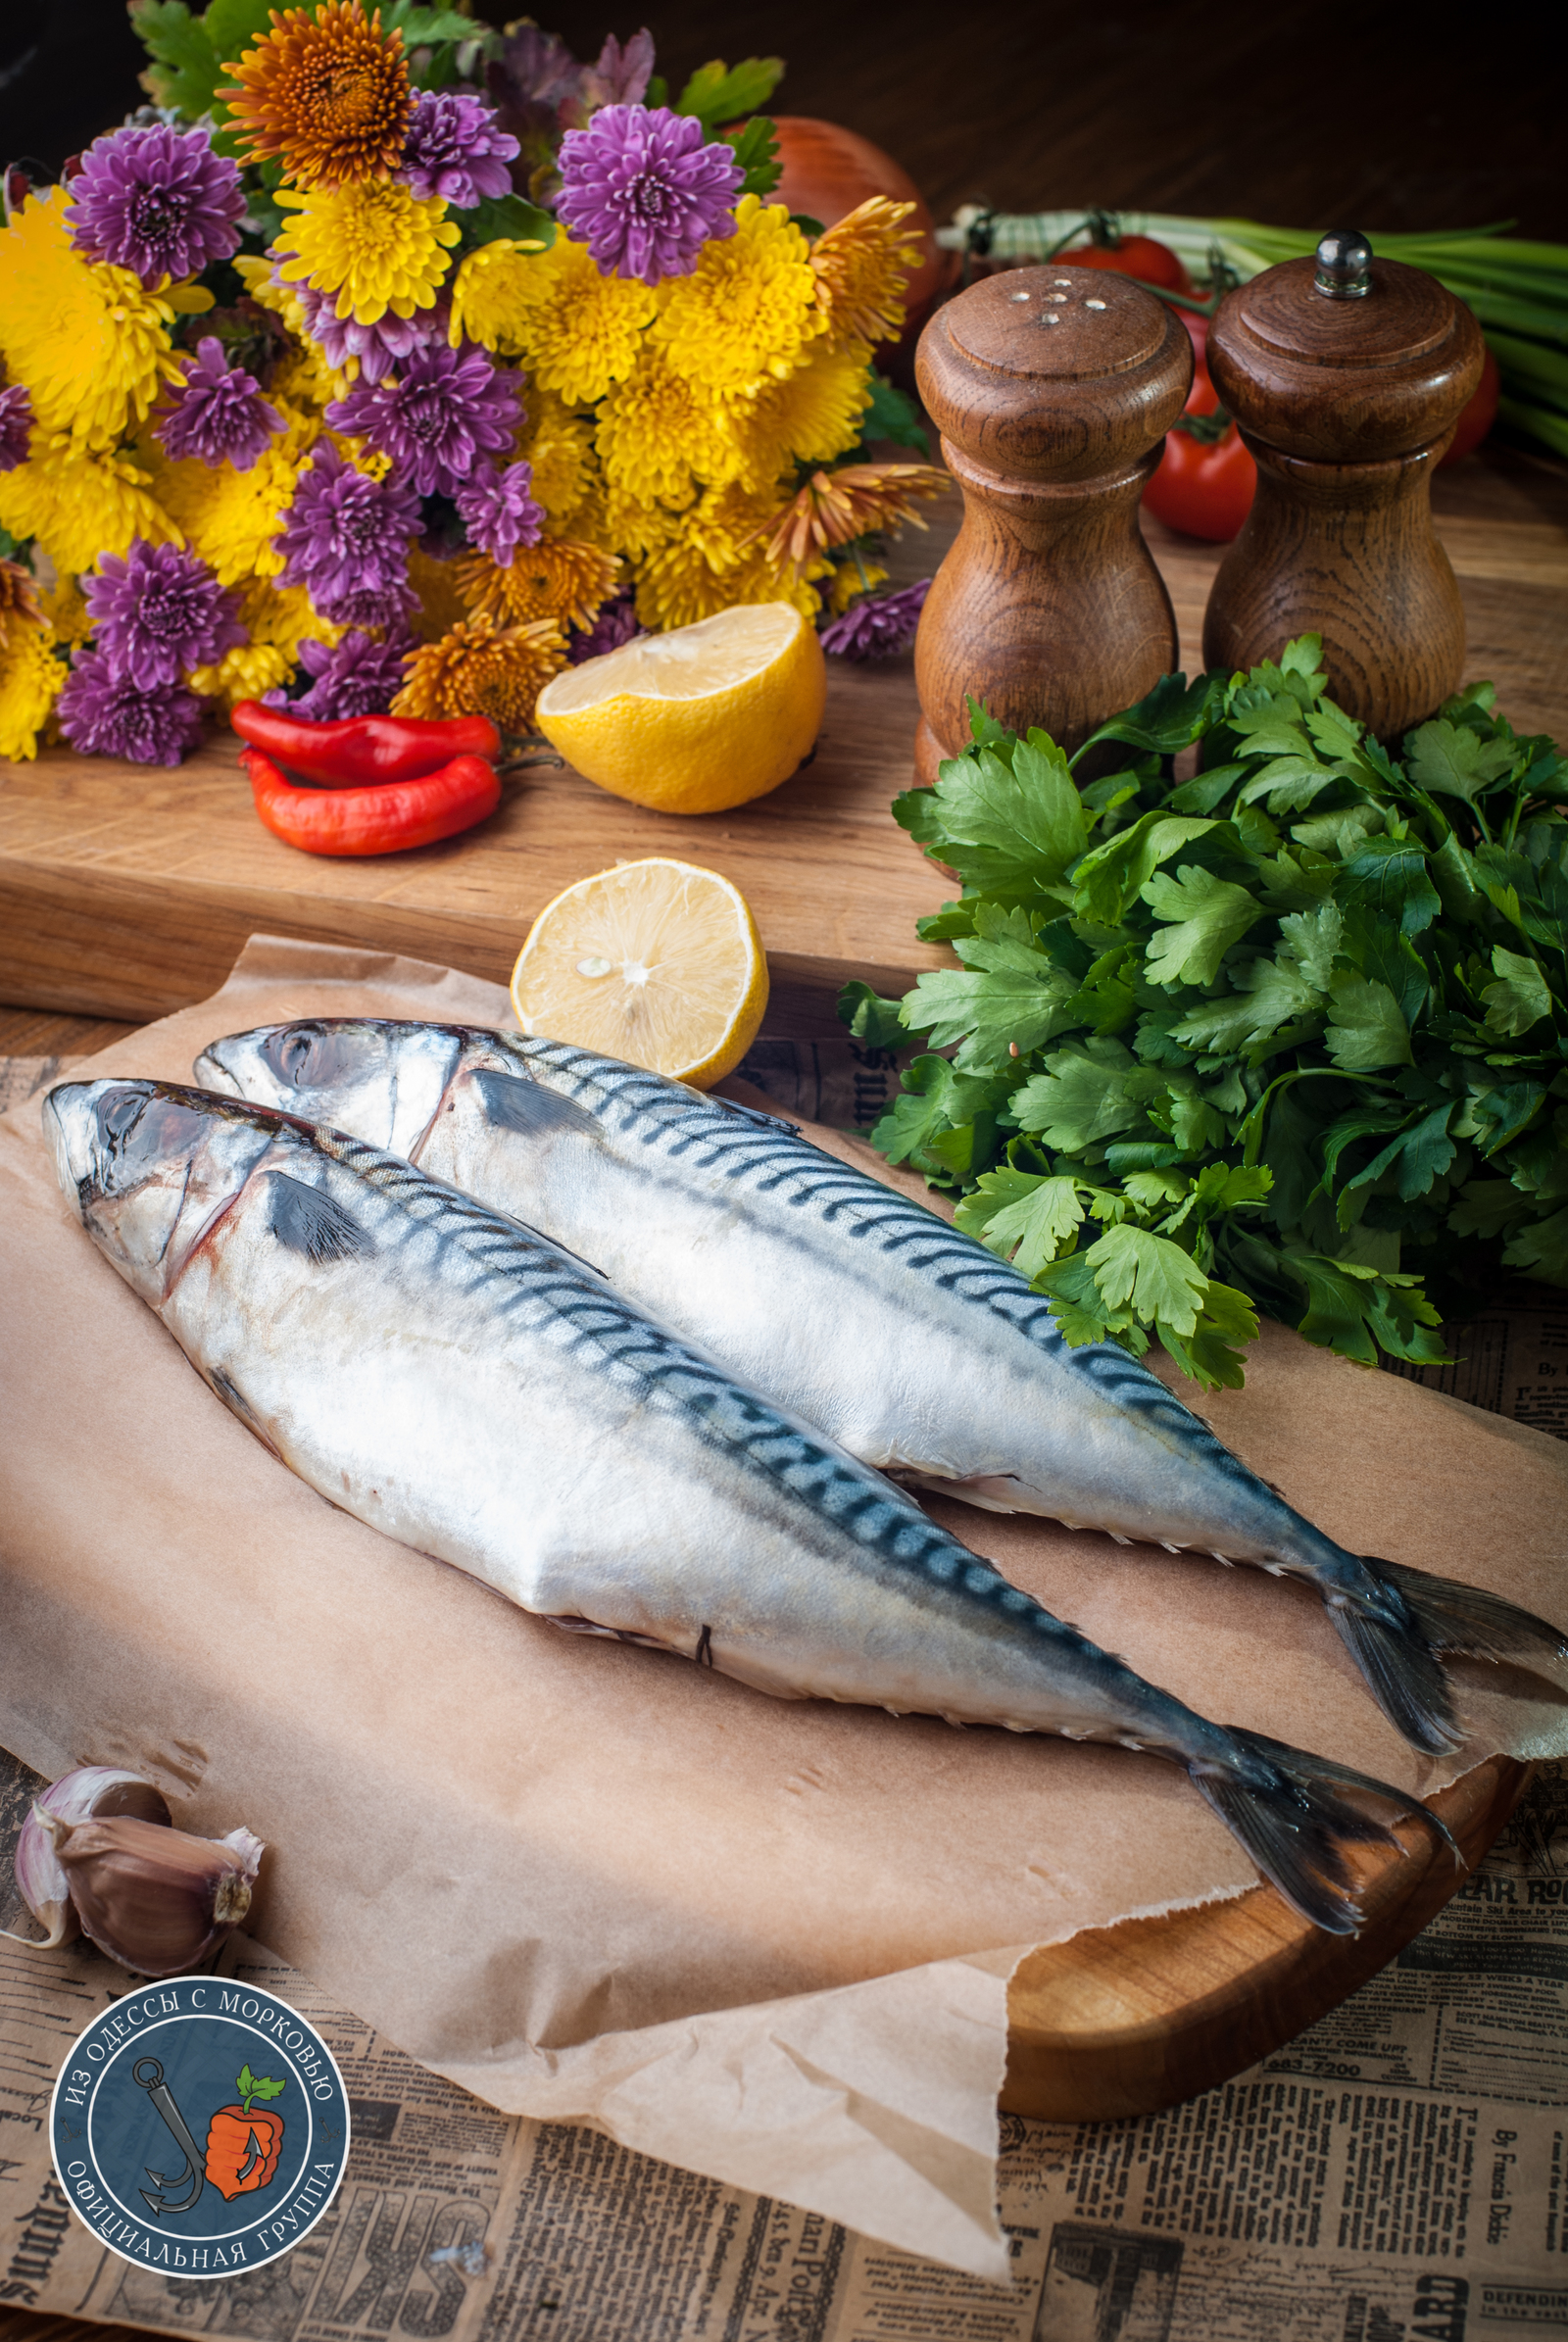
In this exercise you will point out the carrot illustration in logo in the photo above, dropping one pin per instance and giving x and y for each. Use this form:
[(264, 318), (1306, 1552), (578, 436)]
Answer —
[(243, 2145)]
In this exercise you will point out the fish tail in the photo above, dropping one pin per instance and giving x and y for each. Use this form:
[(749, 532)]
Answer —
[(1398, 1652), (1277, 1801)]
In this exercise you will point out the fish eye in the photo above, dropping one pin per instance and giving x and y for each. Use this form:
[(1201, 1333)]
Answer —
[(308, 1056), (118, 1114)]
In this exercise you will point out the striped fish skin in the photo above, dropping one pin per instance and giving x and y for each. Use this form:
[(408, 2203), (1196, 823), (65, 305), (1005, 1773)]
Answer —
[(462, 1383), (904, 1339)]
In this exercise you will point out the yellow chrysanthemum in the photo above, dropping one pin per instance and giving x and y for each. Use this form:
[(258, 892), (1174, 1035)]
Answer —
[(376, 247), (92, 346), (577, 332), (833, 506), (441, 606), (852, 579), (488, 293), (279, 618), (79, 506), (231, 517), (243, 674), (474, 670), (633, 528), (863, 265), (658, 434), (810, 416), (326, 92), (720, 558), (31, 679), (557, 578), (65, 606), (748, 311), (559, 445)]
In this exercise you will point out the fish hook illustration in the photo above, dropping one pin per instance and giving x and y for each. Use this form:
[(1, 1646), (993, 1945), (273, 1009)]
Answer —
[(148, 2074)]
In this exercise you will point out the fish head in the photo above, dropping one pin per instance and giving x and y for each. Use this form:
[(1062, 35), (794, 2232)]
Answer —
[(379, 1079), (148, 1166)]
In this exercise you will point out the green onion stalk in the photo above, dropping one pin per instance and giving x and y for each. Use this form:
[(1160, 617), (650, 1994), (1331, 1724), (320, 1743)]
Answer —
[(1517, 289)]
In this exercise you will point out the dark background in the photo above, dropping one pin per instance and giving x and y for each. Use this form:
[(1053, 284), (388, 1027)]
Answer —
[(1386, 116)]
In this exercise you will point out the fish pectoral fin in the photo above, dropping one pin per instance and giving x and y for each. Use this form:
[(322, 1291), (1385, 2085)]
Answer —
[(986, 1492), (513, 1103), (573, 1625), (308, 1221)]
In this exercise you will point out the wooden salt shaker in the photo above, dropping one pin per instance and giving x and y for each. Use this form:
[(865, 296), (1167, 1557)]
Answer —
[(1346, 376), (1052, 388)]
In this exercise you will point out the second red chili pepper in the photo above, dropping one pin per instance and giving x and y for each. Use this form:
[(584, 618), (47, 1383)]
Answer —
[(364, 749), (384, 819)]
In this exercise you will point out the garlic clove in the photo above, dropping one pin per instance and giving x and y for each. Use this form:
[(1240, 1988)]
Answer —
[(155, 1899), (91, 1790)]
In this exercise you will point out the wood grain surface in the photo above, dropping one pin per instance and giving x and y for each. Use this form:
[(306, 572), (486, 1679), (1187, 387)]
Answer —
[(127, 891)]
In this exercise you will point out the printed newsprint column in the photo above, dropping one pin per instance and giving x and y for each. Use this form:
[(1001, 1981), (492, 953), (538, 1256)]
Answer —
[(1395, 2172)]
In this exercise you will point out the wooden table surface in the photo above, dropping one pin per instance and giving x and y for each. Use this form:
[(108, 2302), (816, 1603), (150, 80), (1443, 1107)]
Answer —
[(126, 891)]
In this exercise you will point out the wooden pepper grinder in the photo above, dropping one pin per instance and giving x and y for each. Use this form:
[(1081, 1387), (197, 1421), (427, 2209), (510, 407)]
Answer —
[(1346, 376), (1053, 389)]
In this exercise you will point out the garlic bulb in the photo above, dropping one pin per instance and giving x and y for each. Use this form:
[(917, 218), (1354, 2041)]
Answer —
[(153, 1898), (92, 1792)]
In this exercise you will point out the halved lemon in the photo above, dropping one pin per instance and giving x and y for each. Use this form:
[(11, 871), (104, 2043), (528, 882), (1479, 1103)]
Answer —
[(656, 962), (696, 720)]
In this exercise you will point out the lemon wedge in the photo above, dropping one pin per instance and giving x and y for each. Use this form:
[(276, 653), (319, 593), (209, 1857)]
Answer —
[(656, 962), (696, 720)]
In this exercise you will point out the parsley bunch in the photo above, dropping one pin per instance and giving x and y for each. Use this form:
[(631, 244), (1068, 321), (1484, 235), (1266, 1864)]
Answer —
[(1290, 1034)]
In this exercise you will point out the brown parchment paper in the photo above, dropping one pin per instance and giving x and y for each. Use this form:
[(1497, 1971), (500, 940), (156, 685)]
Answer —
[(768, 1941)]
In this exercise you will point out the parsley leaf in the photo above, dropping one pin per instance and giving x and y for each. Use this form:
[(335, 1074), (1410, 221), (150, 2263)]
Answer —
[(1520, 998), (1208, 913)]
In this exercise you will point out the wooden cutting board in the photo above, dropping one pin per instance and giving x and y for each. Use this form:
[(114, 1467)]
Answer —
[(127, 891)]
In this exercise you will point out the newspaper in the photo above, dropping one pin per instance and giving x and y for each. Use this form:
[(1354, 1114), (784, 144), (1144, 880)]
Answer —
[(1396, 2172)]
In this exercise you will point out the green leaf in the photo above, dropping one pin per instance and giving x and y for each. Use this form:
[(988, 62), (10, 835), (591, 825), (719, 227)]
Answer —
[(511, 215), (1520, 998), (755, 145), (1086, 1091), (1149, 1275), (1008, 996), (423, 27), (1008, 832), (1106, 880), (938, 1114), (1205, 914), (1205, 790), (1311, 938), (186, 69), (1424, 1153), (893, 414), (1541, 1247), (1389, 877), (720, 93), (1271, 729), (1289, 783), (1169, 719), (265, 2088), (870, 1018), (1451, 761), (1334, 733), (1026, 1220), (233, 26), (1213, 1354), (1367, 1029), (1485, 1207)]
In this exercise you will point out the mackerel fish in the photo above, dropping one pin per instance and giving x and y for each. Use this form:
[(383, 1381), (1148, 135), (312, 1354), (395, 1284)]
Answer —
[(463, 1384), (856, 1308)]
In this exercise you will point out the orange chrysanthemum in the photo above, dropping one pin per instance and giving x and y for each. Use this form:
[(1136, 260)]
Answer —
[(19, 602), (326, 92), (863, 265), (557, 578), (474, 670), (835, 506)]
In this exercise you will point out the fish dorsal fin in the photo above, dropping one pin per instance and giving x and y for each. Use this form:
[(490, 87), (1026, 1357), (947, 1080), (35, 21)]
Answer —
[(312, 1223), (527, 1106), (754, 1114)]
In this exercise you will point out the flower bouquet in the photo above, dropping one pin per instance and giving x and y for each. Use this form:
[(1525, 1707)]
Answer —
[(386, 363)]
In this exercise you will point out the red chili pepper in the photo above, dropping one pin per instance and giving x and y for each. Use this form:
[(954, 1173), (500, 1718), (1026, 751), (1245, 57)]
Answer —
[(1206, 477), (364, 748), (382, 819)]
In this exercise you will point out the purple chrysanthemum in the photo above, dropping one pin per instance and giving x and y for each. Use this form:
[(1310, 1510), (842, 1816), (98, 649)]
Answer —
[(345, 538), (616, 626), (158, 202), (499, 513), (15, 425), (645, 192), (218, 415), (108, 714), (157, 612), (358, 677), (456, 149), (879, 626), (437, 419), (377, 348)]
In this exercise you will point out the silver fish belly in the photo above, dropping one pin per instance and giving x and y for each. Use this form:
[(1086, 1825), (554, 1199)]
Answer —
[(906, 1341), (459, 1383)]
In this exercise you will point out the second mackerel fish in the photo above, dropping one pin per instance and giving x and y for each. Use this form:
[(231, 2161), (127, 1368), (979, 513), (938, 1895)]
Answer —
[(906, 1342), (463, 1385)]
